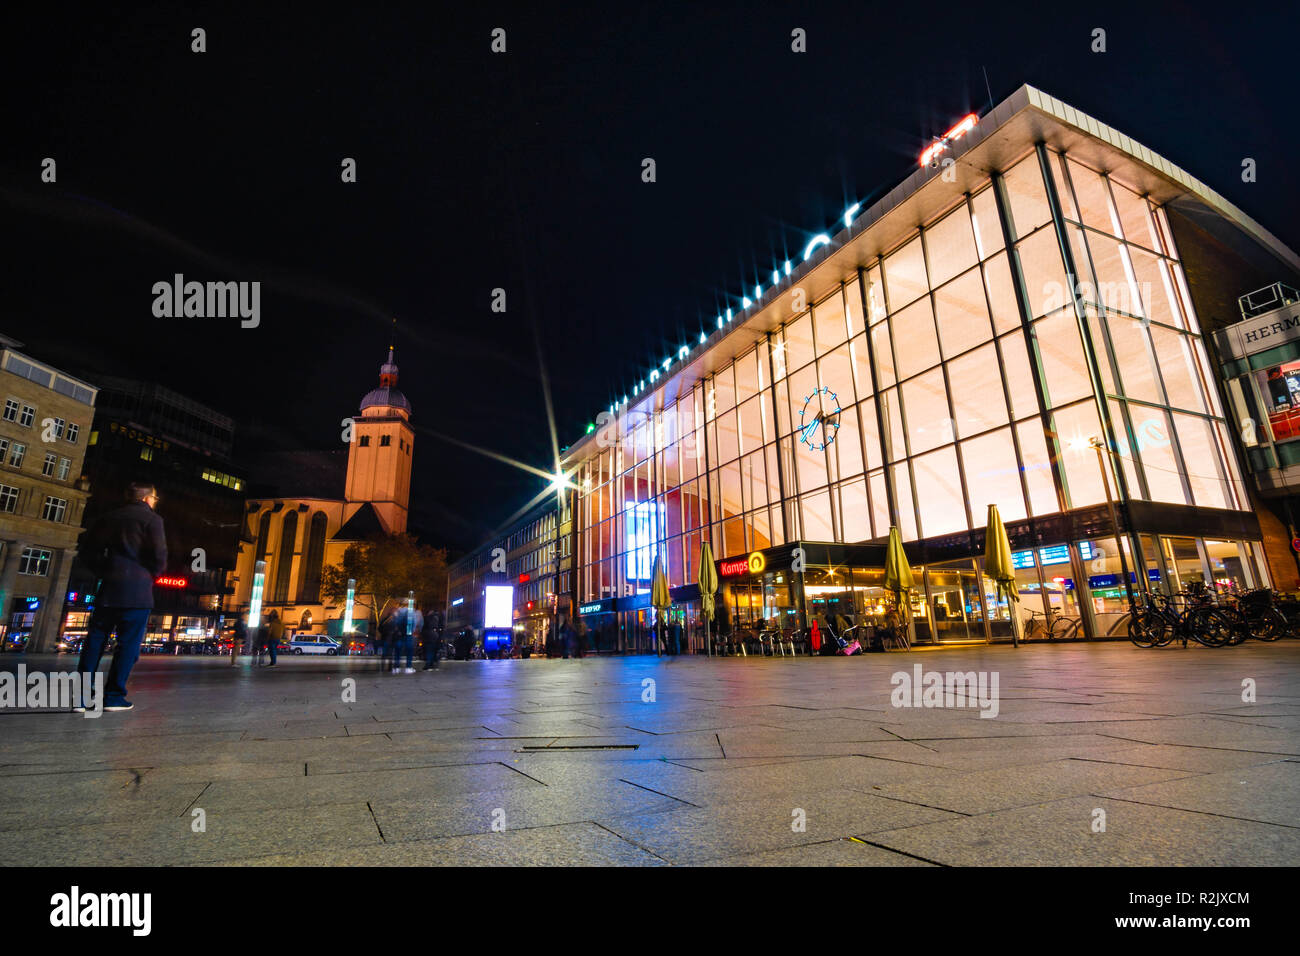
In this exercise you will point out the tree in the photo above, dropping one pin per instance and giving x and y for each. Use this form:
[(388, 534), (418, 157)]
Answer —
[(387, 568)]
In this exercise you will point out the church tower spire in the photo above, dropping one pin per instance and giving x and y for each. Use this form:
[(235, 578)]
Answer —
[(379, 458)]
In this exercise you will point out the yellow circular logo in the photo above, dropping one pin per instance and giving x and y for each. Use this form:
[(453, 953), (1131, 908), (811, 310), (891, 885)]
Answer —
[(757, 563)]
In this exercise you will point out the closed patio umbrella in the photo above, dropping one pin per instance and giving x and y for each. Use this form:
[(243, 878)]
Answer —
[(708, 582), (898, 575), (660, 600), (999, 566)]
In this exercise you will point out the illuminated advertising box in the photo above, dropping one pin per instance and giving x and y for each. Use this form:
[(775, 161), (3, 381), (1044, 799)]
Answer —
[(498, 606)]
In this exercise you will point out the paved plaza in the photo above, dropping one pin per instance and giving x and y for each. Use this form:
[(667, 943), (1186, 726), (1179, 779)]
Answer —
[(650, 762)]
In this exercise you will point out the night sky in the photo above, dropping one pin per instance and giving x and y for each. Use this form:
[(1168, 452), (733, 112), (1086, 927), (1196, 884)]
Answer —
[(523, 171)]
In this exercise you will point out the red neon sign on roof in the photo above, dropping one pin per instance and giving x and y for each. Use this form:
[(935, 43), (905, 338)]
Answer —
[(957, 132)]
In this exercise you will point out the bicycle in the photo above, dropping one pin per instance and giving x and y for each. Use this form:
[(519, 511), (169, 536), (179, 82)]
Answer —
[(1052, 626), (1254, 614), (1158, 621)]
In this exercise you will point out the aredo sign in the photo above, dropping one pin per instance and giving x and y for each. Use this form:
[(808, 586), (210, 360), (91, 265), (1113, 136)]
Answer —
[(754, 564)]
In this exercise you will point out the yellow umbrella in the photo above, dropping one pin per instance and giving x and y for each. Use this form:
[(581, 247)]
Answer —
[(999, 566), (660, 599), (898, 573), (708, 582)]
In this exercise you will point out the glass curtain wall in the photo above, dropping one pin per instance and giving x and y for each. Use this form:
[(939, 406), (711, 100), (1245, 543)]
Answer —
[(922, 370)]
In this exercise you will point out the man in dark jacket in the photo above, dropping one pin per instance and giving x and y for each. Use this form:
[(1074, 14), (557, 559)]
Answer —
[(127, 549)]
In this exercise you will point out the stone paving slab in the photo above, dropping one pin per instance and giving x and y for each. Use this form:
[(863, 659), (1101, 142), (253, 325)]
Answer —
[(169, 841), (576, 844), (984, 791), (365, 785), (845, 852), (1060, 834), (1269, 793), (586, 772), (732, 829)]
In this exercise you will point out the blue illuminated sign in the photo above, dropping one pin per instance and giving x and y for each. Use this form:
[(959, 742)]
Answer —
[(1055, 554)]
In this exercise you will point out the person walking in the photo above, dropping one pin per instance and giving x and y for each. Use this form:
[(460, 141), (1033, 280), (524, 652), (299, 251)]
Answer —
[(271, 635), (127, 549), (432, 636), (407, 622), (387, 634), (238, 638)]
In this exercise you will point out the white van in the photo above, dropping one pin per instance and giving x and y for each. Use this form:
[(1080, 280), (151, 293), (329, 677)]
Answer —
[(313, 644)]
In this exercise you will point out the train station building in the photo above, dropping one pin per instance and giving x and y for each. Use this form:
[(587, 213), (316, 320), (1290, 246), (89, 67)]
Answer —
[(1022, 322)]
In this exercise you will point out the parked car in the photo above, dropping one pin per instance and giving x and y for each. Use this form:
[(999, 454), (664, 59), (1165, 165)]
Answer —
[(314, 644)]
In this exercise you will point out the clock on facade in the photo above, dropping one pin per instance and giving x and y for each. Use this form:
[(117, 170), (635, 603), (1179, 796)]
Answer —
[(819, 419)]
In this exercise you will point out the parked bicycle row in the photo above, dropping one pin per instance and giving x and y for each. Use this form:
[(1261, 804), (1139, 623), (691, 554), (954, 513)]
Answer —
[(829, 635), (1213, 620)]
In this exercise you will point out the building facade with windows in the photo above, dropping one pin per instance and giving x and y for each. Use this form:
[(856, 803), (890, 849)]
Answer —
[(1011, 326), (147, 432), (44, 425), (1260, 364)]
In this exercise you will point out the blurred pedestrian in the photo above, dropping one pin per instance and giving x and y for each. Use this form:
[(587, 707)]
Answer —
[(127, 549), (432, 638), (238, 638), (269, 636), (407, 623)]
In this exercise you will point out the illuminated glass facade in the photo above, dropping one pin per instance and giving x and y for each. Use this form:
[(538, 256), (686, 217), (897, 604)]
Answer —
[(971, 362)]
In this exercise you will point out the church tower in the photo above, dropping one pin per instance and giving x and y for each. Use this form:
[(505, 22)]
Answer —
[(379, 458)]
